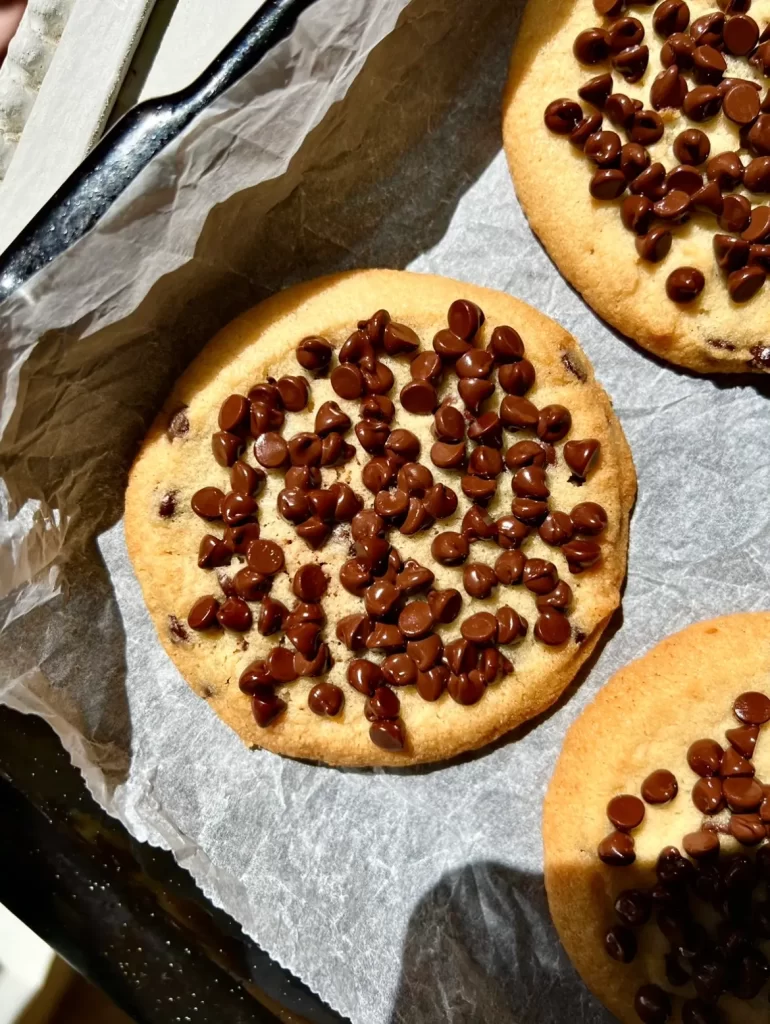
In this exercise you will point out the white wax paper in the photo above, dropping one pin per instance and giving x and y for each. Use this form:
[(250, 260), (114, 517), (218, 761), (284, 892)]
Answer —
[(398, 896)]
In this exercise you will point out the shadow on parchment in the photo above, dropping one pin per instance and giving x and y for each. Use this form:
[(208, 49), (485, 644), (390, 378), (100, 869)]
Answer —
[(375, 184), (480, 948)]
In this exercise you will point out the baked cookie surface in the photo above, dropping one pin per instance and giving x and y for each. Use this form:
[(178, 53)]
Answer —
[(639, 144), (667, 766), (338, 523)]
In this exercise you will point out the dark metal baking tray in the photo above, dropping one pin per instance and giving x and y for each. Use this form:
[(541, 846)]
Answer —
[(125, 914)]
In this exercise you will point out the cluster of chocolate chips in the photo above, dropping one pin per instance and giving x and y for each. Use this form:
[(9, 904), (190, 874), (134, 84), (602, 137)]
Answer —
[(660, 199), (727, 891), (395, 621)]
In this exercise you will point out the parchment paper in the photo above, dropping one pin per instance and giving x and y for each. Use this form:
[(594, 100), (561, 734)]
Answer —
[(398, 896)]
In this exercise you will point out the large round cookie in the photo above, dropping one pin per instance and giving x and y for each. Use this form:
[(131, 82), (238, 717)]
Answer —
[(645, 720), (724, 328), (437, 712)]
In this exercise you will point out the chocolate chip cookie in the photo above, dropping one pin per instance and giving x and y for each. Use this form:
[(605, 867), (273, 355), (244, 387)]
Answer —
[(656, 828), (382, 518), (638, 136)]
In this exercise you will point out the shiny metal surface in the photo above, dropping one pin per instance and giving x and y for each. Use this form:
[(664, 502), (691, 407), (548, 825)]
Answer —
[(132, 143)]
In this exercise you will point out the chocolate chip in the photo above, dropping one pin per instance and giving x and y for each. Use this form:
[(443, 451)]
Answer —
[(607, 184), (416, 620), (474, 392), (475, 363), (179, 425), (756, 176), (234, 414), (516, 378), (553, 423), (733, 764), (707, 795), (742, 794), (609, 8), (445, 604), (692, 147), (761, 58), (726, 170), (655, 245), (624, 33), (678, 50), (560, 597), (250, 584), (668, 89), (365, 676), (425, 653), (309, 583), (207, 503), (596, 90), (633, 907), (381, 598), (748, 829), (402, 446), (372, 435), (213, 552), (539, 576), (226, 447), (620, 944), (379, 381), (347, 380), (759, 225), (419, 397), (167, 505), (702, 103), (234, 614), (294, 393), (632, 62), (652, 1004), (354, 630), (556, 528), (506, 346), (671, 16), (617, 850), (487, 430), (326, 699), (238, 539), (634, 159), (646, 129), (528, 511), (399, 670), (266, 557), (479, 580), (707, 30), (266, 706), (651, 182), (203, 614), (464, 319), (684, 179), (378, 473), (552, 627), (449, 424), (314, 353), (685, 284), (450, 548), (744, 284), (604, 148), (705, 757), (440, 501), (399, 339), (236, 508), (432, 682), (708, 200), (530, 482), (744, 739), (467, 688), (589, 518), (581, 554), (736, 214), (383, 705), (731, 253), (674, 207), (448, 456), (510, 566), (427, 366), (660, 787), (625, 812), (740, 35), (388, 735), (272, 615), (752, 708), (447, 344), (518, 413), (709, 65), (591, 46)]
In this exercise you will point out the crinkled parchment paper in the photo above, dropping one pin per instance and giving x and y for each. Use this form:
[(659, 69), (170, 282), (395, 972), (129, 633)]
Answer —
[(369, 137)]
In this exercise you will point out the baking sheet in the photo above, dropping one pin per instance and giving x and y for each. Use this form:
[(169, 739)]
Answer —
[(398, 896)]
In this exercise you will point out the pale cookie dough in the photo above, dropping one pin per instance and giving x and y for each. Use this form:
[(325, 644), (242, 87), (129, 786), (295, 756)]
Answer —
[(263, 343), (585, 237), (645, 720)]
